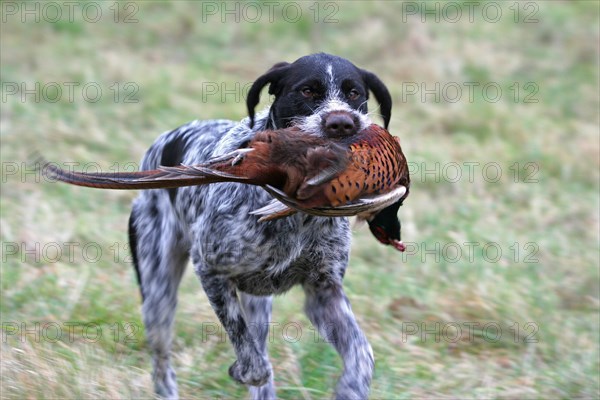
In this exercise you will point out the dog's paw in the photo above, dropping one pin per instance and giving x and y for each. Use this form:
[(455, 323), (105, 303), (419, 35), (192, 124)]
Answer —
[(255, 372), (165, 384)]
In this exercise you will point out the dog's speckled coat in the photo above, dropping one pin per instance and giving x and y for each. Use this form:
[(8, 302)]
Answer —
[(241, 263)]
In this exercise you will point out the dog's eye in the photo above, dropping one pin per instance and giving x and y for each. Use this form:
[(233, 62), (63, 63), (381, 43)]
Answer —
[(307, 92), (353, 94)]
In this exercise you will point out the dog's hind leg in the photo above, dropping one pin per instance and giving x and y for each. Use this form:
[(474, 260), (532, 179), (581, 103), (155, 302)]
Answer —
[(160, 255), (257, 313)]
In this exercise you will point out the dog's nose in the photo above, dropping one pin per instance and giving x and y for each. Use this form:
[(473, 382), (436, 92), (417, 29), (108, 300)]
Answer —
[(339, 124)]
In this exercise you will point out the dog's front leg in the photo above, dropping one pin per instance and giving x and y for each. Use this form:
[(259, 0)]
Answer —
[(252, 366), (329, 310), (257, 313)]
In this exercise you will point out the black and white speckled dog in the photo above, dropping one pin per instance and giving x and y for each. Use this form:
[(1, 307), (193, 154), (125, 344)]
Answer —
[(241, 263)]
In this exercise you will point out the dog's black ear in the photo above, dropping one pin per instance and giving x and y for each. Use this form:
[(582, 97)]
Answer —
[(381, 93), (271, 77)]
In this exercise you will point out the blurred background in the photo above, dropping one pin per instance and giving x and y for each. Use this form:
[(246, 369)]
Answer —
[(496, 104)]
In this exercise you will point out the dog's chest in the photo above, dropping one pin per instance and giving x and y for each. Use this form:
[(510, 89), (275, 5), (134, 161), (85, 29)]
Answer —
[(261, 257)]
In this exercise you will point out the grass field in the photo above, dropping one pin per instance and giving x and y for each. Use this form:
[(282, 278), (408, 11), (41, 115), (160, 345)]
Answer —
[(498, 293)]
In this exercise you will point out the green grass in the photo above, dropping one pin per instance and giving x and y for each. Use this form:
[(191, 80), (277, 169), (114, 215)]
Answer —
[(541, 293)]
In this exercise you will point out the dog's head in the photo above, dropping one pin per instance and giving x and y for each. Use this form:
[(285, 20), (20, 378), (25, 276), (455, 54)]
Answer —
[(320, 92)]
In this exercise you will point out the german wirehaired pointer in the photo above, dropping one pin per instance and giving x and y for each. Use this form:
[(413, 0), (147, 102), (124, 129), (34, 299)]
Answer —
[(241, 262)]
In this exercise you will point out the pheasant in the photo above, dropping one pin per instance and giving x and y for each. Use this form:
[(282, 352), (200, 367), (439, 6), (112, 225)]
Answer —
[(365, 174)]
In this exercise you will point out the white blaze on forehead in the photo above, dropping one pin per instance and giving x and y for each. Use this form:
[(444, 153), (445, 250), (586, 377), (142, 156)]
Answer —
[(333, 92), (330, 73)]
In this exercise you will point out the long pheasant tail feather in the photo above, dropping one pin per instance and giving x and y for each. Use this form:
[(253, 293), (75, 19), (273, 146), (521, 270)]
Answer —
[(154, 179)]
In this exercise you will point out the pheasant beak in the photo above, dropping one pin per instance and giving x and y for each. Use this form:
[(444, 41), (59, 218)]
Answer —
[(398, 245), (383, 237)]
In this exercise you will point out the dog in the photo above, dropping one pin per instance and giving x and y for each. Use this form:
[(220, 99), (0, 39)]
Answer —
[(241, 262)]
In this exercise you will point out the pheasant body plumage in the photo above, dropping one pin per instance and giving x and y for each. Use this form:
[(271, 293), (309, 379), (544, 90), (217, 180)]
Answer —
[(376, 165)]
